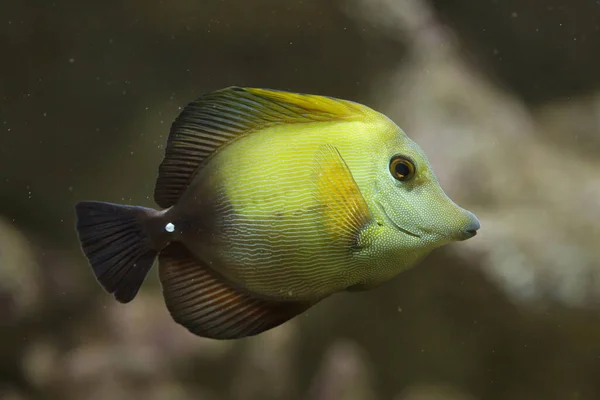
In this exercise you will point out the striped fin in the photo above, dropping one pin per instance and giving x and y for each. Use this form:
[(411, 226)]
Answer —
[(218, 117), (344, 209), (207, 306)]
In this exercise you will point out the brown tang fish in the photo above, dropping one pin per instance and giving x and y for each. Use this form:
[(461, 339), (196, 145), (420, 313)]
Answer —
[(272, 201)]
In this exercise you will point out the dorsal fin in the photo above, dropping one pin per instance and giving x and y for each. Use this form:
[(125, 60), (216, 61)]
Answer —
[(219, 117)]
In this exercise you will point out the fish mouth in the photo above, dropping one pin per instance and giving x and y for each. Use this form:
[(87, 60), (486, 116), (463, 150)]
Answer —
[(391, 221)]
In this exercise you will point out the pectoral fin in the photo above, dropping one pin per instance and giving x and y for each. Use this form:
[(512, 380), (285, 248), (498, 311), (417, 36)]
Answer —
[(344, 210), (208, 306)]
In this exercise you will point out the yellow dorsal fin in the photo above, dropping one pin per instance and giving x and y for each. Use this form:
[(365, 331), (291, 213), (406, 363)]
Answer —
[(344, 209), (309, 106), (219, 117)]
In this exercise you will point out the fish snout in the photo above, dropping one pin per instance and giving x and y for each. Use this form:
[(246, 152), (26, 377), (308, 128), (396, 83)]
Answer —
[(471, 227)]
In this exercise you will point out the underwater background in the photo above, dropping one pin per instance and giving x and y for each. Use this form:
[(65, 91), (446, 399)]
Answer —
[(502, 95)]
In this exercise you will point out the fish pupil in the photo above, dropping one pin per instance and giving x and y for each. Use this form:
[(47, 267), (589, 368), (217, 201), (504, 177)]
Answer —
[(402, 169)]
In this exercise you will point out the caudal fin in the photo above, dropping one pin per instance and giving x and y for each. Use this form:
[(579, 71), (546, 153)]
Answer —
[(116, 242)]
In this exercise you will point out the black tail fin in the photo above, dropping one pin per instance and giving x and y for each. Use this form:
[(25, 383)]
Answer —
[(116, 241)]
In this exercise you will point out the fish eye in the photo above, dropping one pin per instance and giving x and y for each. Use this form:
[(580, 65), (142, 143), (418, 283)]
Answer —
[(402, 168)]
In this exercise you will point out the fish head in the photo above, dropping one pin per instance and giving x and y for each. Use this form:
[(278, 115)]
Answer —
[(410, 199)]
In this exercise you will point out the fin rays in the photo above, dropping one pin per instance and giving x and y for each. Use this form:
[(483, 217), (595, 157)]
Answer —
[(344, 209), (206, 305), (216, 118)]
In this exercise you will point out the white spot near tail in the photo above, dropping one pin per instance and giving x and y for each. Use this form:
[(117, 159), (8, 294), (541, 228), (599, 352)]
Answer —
[(170, 227)]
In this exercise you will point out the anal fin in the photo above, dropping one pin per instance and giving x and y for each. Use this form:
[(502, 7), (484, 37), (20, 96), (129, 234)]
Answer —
[(208, 306)]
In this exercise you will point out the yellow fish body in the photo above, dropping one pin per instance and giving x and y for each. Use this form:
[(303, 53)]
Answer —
[(272, 201)]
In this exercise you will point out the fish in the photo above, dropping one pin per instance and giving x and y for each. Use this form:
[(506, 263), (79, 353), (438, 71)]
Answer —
[(269, 202)]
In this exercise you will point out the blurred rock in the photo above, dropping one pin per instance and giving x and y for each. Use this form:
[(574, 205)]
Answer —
[(20, 286), (573, 124), (8, 393), (39, 363), (134, 343), (433, 392), (265, 369), (344, 374), (146, 324)]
